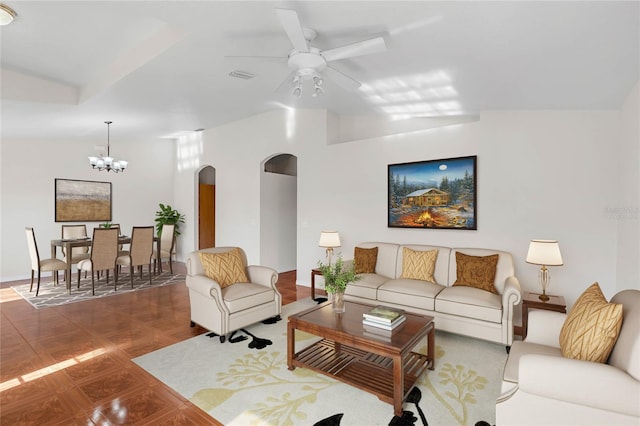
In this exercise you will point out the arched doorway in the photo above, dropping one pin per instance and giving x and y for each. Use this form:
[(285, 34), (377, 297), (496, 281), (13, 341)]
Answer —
[(206, 207), (279, 212)]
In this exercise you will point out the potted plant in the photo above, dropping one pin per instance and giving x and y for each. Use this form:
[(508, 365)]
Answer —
[(336, 278), (167, 215)]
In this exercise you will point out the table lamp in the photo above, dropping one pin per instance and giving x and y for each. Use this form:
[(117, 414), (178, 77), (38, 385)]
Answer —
[(545, 253), (330, 240)]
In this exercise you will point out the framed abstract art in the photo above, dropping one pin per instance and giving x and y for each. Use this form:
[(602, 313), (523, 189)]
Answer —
[(82, 201)]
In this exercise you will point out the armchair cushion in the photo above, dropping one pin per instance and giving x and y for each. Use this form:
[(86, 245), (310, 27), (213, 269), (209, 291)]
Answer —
[(544, 328), (518, 349), (241, 297), (476, 271), (591, 328), (225, 268), (419, 265), (364, 260), (586, 384)]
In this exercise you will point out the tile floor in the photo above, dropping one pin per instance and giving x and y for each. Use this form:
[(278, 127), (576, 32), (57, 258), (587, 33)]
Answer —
[(71, 365)]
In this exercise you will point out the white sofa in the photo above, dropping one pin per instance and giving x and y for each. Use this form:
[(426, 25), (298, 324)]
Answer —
[(457, 309), (541, 387), (224, 310)]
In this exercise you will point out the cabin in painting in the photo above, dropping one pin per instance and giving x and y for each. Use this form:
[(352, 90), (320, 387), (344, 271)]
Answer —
[(427, 198)]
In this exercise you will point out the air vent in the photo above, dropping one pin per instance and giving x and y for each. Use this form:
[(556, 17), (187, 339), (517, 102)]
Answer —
[(241, 74)]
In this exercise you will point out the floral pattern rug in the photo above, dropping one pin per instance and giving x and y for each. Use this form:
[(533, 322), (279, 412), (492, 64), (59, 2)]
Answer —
[(238, 385)]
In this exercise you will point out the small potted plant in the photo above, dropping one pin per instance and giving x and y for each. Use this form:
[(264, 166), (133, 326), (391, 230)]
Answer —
[(167, 215), (336, 278)]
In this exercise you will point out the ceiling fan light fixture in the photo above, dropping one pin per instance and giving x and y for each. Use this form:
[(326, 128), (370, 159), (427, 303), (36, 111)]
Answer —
[(7, 15), (309, 64)]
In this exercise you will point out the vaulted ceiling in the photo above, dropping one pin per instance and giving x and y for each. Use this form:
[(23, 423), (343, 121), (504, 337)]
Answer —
[(157, 68)]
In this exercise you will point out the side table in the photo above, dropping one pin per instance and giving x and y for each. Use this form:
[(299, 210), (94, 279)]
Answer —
[(314, 272), (532, 301)]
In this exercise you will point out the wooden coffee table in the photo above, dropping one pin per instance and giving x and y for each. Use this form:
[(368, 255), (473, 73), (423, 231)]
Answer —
[(383, 366)]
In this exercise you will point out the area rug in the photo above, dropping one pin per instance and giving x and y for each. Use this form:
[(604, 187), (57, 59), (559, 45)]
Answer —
[(238, 385), (50, 295)]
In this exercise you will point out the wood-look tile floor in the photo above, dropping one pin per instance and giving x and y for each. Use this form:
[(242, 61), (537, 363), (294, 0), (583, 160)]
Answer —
[(71, 365)]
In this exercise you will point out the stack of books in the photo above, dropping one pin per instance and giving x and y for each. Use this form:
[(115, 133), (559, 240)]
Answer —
[(383, 320)]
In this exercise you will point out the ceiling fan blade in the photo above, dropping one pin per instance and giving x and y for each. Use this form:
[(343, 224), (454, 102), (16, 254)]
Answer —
[(374, 45), (262, 58), (293, 28), (341, 79)]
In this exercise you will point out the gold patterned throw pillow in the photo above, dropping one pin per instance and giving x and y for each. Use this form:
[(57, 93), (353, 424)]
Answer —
[(364, 260), (419, 265), (591, 328), (226, 268), (476, 271)]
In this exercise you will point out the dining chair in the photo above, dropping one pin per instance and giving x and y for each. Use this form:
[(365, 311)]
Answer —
[(167, 244), (121, 250), (140, 253), (77, 253), (104, 252), (44, 265)]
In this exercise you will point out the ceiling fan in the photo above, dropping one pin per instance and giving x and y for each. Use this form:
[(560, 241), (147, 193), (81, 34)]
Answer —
[(309, 63)]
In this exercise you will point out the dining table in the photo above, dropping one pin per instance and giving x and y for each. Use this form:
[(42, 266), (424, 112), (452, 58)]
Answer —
[(69, 243)]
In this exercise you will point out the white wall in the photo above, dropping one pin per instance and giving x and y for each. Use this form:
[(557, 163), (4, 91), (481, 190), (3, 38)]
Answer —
[(541, 174), (237, 150), (28, 170), (626, 212), (278, 223)]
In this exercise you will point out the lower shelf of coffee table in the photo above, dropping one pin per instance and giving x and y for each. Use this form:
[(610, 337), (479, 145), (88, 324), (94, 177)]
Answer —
[(364, 370)]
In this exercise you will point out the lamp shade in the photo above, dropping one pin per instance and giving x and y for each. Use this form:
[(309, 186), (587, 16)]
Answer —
[(544, 252), (7, 14), (329, 239)]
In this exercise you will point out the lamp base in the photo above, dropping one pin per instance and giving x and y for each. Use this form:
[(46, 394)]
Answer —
[(543, 279)]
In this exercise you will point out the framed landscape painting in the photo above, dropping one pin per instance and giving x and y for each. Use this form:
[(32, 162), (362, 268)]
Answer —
[(82, 201), (435, 194)]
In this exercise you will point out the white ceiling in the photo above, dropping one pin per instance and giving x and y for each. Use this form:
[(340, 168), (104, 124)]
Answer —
[(156, 68)]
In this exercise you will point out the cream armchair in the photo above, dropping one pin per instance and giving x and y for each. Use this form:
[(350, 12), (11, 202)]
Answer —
[(541, 387), (225, 310)]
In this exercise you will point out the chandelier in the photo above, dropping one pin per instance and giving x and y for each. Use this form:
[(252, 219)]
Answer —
[(107, 163)]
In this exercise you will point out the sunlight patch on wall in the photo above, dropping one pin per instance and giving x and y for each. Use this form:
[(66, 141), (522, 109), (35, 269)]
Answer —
[(290, 120), (418, 95), (189, 150)]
